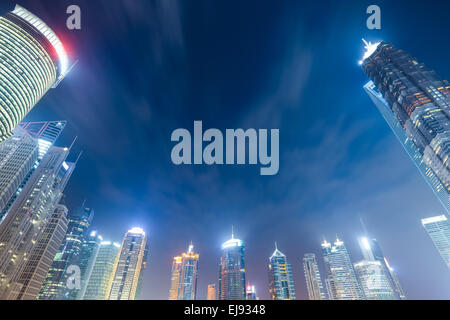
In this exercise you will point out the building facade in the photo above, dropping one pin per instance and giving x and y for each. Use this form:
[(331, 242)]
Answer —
[(415, 103), (341, 282), (184, 276), (211, 293), (32, 276), (34, 60), (281, 282), (88, 255), (312, 277), (232, 270), (100, 279), (438, 228), (128, 271), (372, 252), (374, 280), (55, 284), (25, 221)]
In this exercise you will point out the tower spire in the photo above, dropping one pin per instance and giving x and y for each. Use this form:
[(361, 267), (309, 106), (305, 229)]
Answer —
[(232, 232)]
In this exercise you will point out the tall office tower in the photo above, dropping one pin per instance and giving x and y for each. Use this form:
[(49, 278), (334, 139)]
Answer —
[(55, 284), (415, 103), (232, 270), (374, 280), (372, 252), (38, 263), (184, 276), (281, 282), (312, 277), (88, 255), (25, 221), (250, 293), (34, 60), (212, 293), (21, 154), (128, 270), (341, 281), (102, 271), (438, 228)]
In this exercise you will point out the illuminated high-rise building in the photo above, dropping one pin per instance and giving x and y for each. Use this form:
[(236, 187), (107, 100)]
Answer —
[(100, 279), (341, 281), (373, 280), (37, 264), (88, 255), (184, 276), (312, 276), (20, 156), (69, 253), (232, 270), (34, 60), (130, 266), (25, 221), (250, 293), (281, 282), (372, 252), (415, 103), (212, 293), (438, 228)]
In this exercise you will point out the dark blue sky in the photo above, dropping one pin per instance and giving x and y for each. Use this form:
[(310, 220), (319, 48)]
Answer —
[(148, 67)]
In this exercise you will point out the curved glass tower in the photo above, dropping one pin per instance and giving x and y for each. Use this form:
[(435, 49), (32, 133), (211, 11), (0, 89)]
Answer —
[(32, 60)]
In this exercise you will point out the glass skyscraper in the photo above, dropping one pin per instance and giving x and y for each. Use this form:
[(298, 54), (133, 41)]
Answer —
[(372, 252), (415, 103), (438, 228), (88, 255), (25, 221), (55, 284), (129, 269), (184, 276), (341, 281), (232, 270), (32, 276), (374, 280), (312, 276), (281, 282), (20, 156), (101, 276), (33, 61)]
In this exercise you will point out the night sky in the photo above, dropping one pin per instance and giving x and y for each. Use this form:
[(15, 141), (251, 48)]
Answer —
[(146, 68)]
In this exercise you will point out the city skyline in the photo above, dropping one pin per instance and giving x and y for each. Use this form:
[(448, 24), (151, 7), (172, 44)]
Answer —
[(314, 194)]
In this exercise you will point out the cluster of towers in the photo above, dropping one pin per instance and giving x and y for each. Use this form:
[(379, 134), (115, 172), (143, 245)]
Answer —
[(370, 279)]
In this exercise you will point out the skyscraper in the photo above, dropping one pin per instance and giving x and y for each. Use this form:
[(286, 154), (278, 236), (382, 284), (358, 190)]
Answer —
[(312, 276), (88, 255), (415, 103), (25, 221), (232, 270), (32, 276), (20, 156), (281, 283), (55, 284), (34, 61), (372, 252), (128, 270), (102, 271), (438, 228), (250, 293), (212, 293), (184, 276), (374, 280), (341, 281)]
